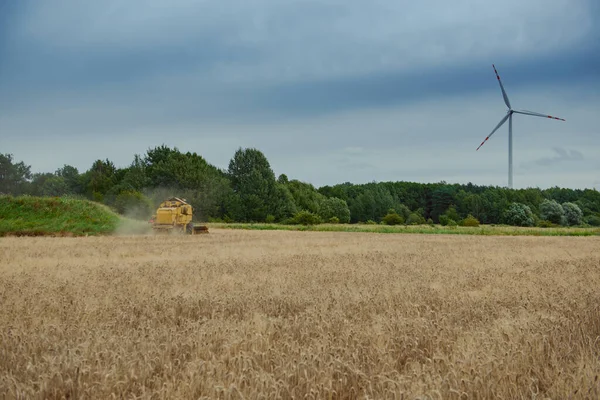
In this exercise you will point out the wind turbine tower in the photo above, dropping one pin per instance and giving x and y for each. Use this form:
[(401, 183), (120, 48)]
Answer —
[(509, 117)]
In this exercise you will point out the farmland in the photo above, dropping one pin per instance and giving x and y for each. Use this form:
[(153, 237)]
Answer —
[(268, 314)]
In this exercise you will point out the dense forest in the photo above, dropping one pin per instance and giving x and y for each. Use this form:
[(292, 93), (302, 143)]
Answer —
[(249, 191)]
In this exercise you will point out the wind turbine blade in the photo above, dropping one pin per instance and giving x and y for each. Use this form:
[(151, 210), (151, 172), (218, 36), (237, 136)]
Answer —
[(502, 121), (535, 114), (502, 87)]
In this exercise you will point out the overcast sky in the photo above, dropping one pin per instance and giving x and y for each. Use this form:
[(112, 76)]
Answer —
[(331, 91)]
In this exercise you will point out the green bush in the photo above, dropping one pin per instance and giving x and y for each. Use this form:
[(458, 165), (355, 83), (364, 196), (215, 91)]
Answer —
[(430, 222), (470, 221), (519, 214), (551, 211), (546, 224), (306, 218), (371, 222), (334, 220), (270, 219), (444, 220), (452, 223), (415, 219), (393, 219), (573, 214), (452, 213), (593, 220), (333, 207)]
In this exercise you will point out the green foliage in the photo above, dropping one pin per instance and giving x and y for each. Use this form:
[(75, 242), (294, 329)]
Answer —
[(253, 181), (334, 207), (546, 224), (441, 199), (134, 205), (100, 178), (284, 205), (71, 177), (470, 221), (136, 176), (452, 213), (552, 211), (371, 222), (248, 191), (334, 220), (305, 195), (573, 214), (14, 176), (305, 217), (444, 220), (47, 184), (392, 218), (403, 211), (283, 179), (270, 219), (519, 214), (452, 222), (371, 203), (430, 222), (415, 219), (593, 220)]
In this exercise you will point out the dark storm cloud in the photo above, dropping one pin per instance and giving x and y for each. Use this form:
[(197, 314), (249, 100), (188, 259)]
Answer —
[(324, 75)]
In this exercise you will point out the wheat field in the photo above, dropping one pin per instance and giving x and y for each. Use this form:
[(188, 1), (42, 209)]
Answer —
[(282, 314)]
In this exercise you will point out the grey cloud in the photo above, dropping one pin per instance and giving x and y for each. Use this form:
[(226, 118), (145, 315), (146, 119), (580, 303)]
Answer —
[(297, 40), (562, 155)]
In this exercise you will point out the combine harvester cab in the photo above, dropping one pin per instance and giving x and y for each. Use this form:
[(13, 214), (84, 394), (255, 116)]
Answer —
[(175, 215)]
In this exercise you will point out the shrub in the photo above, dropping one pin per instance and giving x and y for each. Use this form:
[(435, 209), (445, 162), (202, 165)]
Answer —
[(306, 218), (518, 214), (470, 221), (334, 207), (371, 222), (401, 210), (334, 220), (452, 223), (444, 220), (593, 220), (542, 223), (430, 222), (573, 214), (393, 219), (415, 219), (551, 211), (270, 219), (452, 213), (227, 219)]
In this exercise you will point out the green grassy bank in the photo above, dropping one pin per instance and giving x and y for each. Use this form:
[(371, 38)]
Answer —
[(40, 216)]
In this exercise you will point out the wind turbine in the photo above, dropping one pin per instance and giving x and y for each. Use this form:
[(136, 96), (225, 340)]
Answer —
[(508, 116)]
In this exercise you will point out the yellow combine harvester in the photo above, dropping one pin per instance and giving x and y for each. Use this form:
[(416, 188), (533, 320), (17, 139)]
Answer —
[(175, 215)]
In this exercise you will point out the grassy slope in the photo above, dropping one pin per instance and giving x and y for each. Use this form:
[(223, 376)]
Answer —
[(437, 229), (60, 216)]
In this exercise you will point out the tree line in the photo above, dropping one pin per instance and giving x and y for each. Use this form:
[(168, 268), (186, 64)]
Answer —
[(249, 191)]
